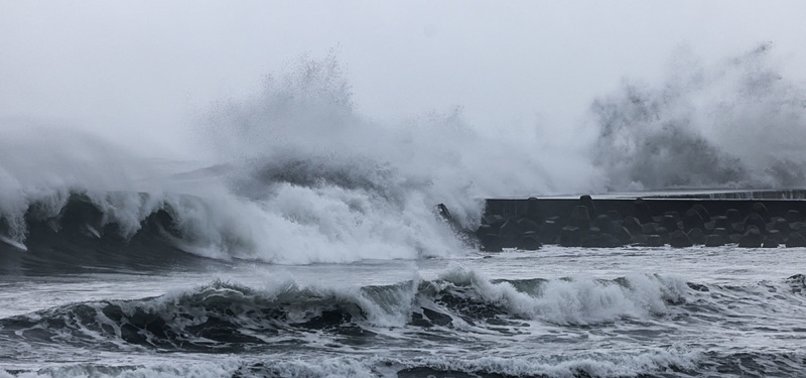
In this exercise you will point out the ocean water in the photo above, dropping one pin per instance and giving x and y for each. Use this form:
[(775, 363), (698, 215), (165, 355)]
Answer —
[(303, 241), (557, 312)]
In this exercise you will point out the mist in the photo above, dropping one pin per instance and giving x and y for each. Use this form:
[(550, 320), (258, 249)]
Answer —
[(326, 132), (143, 73), (737, 122)]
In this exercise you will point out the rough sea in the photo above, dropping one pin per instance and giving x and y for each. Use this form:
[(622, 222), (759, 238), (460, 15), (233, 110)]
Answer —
[(306, 244), (557, 312)]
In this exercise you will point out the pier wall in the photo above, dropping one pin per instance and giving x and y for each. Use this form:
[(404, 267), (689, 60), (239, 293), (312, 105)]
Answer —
[(771, 218)]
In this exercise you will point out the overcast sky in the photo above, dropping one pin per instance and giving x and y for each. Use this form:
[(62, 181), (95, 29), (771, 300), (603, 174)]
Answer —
[(147, 70)]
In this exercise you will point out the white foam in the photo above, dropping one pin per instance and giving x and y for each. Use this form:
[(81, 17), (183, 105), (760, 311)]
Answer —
[(579, 300), (291, 224)]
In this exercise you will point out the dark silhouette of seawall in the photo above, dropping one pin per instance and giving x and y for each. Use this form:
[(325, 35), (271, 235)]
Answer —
[(751, 219)]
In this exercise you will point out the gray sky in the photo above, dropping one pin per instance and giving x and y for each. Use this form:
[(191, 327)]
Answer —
[(143, 72)]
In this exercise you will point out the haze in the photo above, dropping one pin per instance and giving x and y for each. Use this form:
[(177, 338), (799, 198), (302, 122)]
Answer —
[(144, 72)]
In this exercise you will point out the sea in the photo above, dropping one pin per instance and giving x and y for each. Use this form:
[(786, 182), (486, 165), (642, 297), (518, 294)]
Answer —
[(295, 236), (556, 312)]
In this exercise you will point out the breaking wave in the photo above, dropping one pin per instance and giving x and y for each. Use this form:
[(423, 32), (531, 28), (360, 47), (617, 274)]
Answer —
[(294, 175), (224, 315), (460, 306)]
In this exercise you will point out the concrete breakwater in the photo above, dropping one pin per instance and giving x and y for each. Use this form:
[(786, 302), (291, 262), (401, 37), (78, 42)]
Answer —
[(682, 219)]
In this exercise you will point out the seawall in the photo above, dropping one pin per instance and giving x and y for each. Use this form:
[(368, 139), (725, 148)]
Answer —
[(763, 218)]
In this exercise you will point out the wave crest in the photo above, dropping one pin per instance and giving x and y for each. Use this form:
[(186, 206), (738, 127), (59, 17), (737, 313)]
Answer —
[(224, 315)]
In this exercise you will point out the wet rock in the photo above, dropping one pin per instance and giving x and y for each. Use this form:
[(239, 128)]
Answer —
[(738, 228), (721, 221), (632, 224), (733, 215), (494, 220), (721, 231), (669, 222), (795, 240), (704, 213), (603, 223), (490, 243), (773, 240), (760, 209), (550, 231), (679, 239), (778, 224), (443, 212), (649, 228), (623, 235), (797, 226), (793, 215), (639, 239), (693, 219), (529, 241), (755, 220), (509, 232), (570, 236), (654, 241), (714, 240), (486, 229), (600, 240), (697, 236), (752, 238), (528, 225), (580, 217)]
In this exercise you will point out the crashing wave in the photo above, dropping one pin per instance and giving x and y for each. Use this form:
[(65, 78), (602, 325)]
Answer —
[(460, 306), (224, 315)]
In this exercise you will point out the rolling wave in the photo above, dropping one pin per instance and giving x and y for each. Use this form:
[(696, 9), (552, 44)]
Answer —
[(229, 316), (286, 208), (294, 212), (461, 307)]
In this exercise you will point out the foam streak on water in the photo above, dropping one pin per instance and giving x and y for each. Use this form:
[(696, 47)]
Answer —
[(592, 313)]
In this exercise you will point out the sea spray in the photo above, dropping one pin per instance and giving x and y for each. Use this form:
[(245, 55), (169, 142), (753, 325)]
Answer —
[(734, 123)]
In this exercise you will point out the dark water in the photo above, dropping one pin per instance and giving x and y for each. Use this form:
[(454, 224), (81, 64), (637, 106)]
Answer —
[(556, 313)]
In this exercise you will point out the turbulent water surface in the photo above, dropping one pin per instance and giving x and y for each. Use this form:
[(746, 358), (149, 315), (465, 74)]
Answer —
[(557, 312), (307, 243)]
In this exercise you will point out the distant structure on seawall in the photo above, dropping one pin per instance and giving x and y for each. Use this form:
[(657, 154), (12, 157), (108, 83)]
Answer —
[(747, 218)]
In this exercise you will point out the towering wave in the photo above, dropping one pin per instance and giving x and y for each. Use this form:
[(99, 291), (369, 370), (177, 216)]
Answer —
[(304, 129), (293, 175), (738, 123)]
